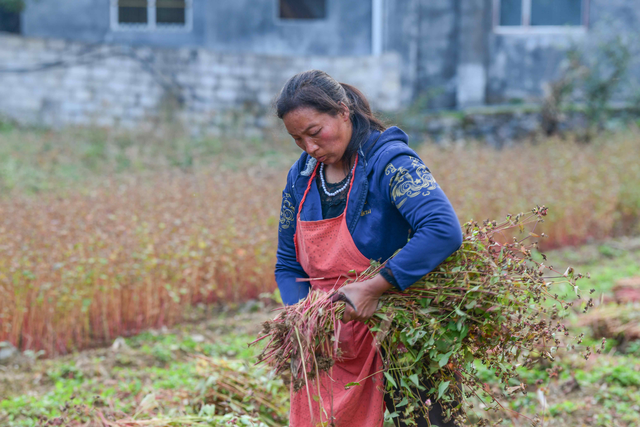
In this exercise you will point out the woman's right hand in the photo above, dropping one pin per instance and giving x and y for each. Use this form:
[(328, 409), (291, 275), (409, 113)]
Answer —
[(364, 296)]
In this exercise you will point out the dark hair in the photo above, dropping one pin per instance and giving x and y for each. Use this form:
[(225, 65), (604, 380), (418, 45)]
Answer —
[(318, 90)]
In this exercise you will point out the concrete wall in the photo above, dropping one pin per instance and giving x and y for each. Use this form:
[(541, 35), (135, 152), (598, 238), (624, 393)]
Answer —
[(425, 33), (521, 64), (89, 21), (239, 26), (472, 53), (55, 82), (452, 57), (253, 26), (443, 44)]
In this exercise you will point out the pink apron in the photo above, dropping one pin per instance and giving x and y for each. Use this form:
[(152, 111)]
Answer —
[(325, 249)]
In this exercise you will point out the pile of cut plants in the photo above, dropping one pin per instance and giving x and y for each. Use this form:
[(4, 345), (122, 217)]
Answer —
[(494, 304), (225, 392)]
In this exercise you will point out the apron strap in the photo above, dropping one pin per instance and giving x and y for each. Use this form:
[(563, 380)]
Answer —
[(304, 197)]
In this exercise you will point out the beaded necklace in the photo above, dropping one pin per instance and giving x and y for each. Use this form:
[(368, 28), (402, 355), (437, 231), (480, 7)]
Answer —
[(324, 187)]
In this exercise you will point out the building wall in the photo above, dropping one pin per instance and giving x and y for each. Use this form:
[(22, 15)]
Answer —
[(443, 45), (451, 55), (521, 64), (238, 26), (90, 21), (472, 53), (54, 82), (253, 26), (425, 33), (400, 35)]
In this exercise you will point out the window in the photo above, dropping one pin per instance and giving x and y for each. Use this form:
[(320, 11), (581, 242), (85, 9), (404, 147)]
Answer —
[(151, 14), (171, 12), (303, 9), (133, 12), (10, 19), (538, 14)]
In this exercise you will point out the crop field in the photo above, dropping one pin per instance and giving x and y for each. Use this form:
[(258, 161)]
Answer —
[(106, 235), (186, 375)]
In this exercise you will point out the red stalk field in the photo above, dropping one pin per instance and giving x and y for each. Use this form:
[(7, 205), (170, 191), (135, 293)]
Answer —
[(82, 266), (84, 269)]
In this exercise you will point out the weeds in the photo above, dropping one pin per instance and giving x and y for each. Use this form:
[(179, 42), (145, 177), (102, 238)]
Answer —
[(132, 384)]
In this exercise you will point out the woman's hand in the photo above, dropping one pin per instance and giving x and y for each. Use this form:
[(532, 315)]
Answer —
[(364, 295)]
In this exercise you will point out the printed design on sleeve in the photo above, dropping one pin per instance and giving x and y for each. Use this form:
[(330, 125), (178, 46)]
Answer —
[(287, 213), (406, 183)]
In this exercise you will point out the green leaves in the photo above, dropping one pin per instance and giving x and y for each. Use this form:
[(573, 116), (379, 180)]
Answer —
[(444, 358), (442, 388), (414, 336), (389, 378), (425, 302), (414, 379)]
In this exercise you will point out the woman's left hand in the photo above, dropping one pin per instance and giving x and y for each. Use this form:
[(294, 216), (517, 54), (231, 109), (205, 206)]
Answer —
[(364, 296)]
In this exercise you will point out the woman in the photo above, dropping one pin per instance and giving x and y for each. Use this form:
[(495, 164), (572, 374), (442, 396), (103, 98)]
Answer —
[(356, 194)]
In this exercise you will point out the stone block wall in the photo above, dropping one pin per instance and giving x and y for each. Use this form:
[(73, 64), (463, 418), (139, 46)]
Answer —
[(55, 83)]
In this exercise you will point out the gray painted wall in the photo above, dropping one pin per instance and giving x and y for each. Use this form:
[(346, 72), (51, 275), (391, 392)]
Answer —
[(425, 33), (521, 64), (208, 91), (250, 26), (253, 26), (89, 21), (451, 55), (454, 58)]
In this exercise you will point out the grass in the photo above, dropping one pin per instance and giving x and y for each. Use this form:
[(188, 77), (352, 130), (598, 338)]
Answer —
[(106, 234), (600, 391), (170, 375), (37, 161)]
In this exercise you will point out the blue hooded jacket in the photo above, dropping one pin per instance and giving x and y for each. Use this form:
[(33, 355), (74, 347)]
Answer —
[(394, 198)]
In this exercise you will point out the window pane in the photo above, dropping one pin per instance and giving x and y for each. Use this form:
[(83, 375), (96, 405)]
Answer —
[(132, 11), (171, 12), (510, 12), (9, 21), (303, 9), (556, 12)]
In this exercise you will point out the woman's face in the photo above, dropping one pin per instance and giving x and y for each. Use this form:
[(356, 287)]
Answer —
[(321, 135)]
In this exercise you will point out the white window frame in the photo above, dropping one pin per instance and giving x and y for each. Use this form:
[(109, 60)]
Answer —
[(151, 25), (527, 28)]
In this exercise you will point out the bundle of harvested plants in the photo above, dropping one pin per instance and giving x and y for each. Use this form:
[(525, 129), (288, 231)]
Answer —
[(490, 303)]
